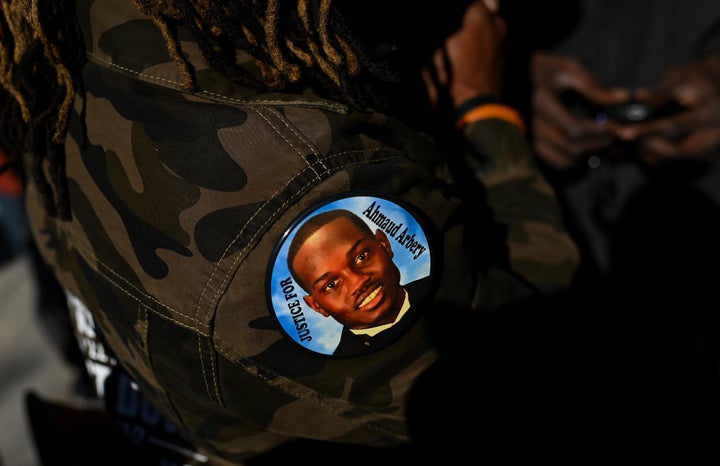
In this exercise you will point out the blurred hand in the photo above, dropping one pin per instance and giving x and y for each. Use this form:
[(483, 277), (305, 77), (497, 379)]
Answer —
[(560, 137), (694, 131), (470, 61)]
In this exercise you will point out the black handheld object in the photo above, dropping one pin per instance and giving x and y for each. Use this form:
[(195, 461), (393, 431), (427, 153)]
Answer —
[(630, 112)]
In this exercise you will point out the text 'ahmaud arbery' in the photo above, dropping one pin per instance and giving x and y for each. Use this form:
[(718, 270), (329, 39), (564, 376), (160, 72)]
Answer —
[(391, 229)]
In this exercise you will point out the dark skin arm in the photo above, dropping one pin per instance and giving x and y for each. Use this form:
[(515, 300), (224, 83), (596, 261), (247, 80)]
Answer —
[(469, 63)]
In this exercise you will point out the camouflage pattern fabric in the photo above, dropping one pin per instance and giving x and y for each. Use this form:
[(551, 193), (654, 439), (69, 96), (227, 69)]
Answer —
[(178, 201)]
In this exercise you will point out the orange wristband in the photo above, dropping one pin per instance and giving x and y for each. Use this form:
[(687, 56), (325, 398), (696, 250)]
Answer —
[(494, 110)]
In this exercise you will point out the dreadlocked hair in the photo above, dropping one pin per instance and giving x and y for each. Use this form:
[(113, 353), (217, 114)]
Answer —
[(295, 44), (37, 91)]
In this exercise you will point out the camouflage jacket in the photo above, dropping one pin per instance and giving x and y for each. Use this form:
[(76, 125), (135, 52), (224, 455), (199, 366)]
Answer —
[(181, 204)]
